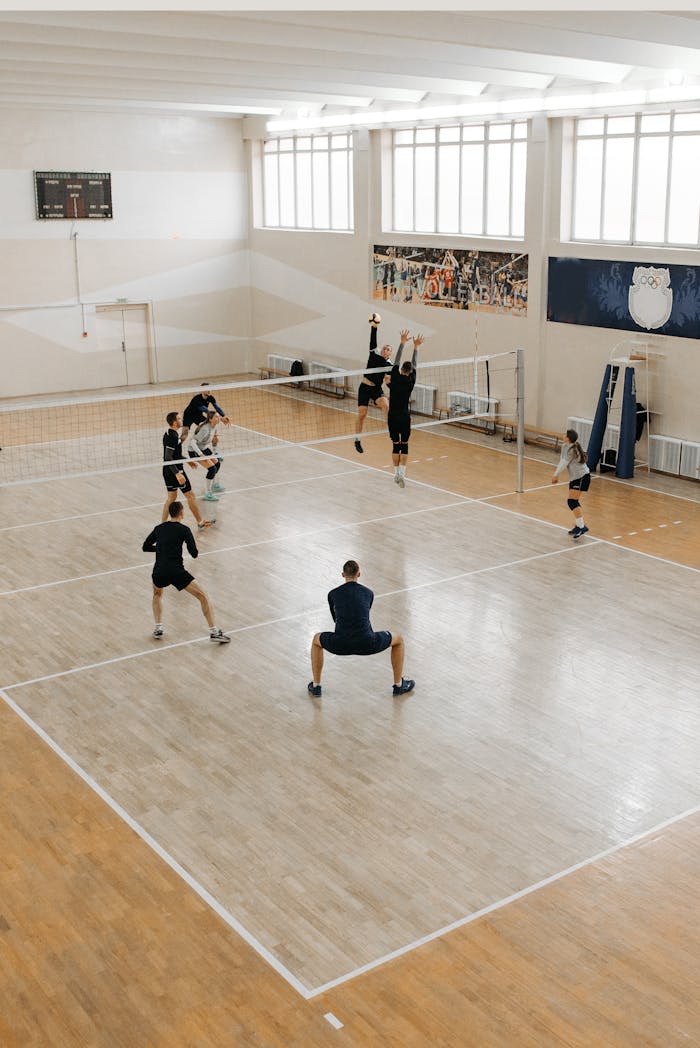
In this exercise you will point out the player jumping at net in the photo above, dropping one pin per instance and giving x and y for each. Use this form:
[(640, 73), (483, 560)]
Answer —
[(573, 460), (370, 390), (174, 475), (202, 440), (401, 383), (198, 409), (166, 541), (350, 605)]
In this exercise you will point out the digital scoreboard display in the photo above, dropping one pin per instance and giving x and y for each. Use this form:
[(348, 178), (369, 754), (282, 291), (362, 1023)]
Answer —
[(73, 194)]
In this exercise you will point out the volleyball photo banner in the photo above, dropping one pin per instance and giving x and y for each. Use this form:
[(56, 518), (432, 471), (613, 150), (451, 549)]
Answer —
[(493, 281)]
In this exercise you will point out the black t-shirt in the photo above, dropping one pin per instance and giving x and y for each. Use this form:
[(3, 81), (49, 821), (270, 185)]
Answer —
[(196, 410), (172, 449), (350, 604), (400, 391), (376, 360), (167, 540)]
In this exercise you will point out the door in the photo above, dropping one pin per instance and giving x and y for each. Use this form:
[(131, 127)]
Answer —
[(123, 345)]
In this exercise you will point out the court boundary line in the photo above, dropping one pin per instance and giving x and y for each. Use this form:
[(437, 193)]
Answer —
[(296, 615), (152, 843), (252, 941), (485, 500), (514, 897), (462, 500)]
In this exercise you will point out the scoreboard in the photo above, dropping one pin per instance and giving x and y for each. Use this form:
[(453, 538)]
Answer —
[(73, 194)]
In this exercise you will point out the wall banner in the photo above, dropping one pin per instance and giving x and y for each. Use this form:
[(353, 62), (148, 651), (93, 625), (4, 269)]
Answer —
[(631, 296), (493, 281)]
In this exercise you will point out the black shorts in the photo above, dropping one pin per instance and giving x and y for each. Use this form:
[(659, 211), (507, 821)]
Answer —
[(177, 577), (205, 453), (400, 427), (193, 416), (372, 644), (172, 485), (368, 394), (582, 484)]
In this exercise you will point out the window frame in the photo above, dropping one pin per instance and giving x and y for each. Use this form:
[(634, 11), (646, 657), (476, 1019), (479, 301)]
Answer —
[(311, 151), (637, 135), (463, 140)]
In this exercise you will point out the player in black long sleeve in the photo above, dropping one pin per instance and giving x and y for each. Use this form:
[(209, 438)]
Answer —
[(350, 606), (166, 541), (370, 390), (174, 475), (402, 381)]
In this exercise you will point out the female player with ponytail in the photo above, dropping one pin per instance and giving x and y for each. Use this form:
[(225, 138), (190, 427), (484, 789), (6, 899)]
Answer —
[(573, 459)]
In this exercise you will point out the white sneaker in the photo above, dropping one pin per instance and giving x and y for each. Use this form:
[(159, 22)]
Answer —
[(401, 482)]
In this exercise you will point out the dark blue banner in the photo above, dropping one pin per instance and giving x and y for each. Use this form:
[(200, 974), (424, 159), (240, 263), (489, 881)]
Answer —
[(631, 296)]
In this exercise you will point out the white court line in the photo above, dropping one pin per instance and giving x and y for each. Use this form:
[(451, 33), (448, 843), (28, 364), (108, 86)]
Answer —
[(152, 505), (460, 500), (297, 615), (501, 903), (145, 836)]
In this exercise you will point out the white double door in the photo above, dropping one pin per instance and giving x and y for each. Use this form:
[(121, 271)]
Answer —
[(123, 345)]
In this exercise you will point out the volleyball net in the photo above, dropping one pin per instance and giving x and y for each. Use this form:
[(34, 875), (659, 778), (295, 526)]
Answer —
[(87, 434)]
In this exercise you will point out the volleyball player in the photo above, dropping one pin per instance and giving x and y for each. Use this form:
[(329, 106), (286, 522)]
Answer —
[(173, 475), (166, 541), (197, 409), (370, 389), (353, 635), (200, 444), (573, 460), (401, 383)]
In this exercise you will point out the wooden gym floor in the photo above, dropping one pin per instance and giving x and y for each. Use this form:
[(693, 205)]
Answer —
[(196, 853)]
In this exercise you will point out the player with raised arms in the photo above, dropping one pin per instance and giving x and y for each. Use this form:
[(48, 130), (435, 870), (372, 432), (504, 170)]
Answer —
[(370, 390), (401, 383)]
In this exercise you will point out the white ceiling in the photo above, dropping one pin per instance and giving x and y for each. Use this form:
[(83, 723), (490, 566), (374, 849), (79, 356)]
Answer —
[(321, 62)]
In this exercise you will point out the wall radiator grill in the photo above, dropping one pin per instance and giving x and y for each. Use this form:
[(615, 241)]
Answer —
[(328, 383), (276, 363), (690, 460), (459, 403), (423, 399)]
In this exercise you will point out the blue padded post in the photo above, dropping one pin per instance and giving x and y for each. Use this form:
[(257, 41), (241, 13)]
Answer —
[(624, 466), (607, 390)]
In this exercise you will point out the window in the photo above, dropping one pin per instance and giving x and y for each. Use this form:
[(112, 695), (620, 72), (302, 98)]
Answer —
[(307, 182), (466, 179), (635, 179)]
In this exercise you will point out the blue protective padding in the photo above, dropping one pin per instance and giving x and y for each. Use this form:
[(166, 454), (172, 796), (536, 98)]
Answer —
[(600, 422), (624, 466)]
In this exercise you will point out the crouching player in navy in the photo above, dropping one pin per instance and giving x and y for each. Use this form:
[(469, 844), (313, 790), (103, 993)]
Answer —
[(350, 605)]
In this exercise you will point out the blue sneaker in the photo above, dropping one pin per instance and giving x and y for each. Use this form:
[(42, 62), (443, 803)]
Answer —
[(314, 690), (404, 687), (578, 532), (210, 497), (217, 487)]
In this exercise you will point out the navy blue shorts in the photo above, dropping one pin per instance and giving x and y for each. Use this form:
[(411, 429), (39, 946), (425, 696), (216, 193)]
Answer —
[(177, 577), (368, 394), (372, 644), (582, 484)]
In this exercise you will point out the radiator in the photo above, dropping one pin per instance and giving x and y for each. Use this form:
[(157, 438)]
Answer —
[(423, 399), (583, 427), (280, 363), (327, 384), (486, 408), (690, 460)]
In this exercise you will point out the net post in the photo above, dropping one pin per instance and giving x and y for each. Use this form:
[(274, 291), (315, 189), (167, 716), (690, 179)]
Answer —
[(520, 414)]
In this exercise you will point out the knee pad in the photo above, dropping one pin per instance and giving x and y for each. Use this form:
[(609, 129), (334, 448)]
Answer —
[(403, 448), (396, 448), (211, 472), (573, 504), (217, 465)]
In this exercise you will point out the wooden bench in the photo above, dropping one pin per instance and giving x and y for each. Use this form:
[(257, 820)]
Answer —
[(545, 438), (482, 424)]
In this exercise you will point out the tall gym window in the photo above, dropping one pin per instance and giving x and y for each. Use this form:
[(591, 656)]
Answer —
[(307, 182), (635, 179), (467, 179)]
